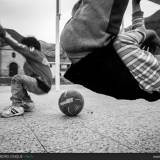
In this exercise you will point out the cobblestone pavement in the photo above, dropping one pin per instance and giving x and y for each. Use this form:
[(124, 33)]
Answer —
[(105, 125)]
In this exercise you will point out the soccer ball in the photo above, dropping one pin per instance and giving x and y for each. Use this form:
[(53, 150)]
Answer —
[(71, 103)]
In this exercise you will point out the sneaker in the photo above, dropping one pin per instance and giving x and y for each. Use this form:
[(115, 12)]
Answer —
[(28, 106), (12, 111)]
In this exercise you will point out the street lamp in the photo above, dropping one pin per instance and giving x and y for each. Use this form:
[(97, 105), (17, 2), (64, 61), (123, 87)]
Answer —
[(57, 49)]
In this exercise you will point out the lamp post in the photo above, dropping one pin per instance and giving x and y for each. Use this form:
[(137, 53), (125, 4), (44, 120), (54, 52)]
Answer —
[(57, 49)]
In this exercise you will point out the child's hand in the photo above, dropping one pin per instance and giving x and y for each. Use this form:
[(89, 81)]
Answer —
[(2, 32)]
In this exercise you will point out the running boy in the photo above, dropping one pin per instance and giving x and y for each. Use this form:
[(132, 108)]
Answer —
[(37, 78)]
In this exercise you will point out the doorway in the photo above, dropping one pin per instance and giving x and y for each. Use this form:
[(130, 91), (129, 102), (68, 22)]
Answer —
[(13, 69)]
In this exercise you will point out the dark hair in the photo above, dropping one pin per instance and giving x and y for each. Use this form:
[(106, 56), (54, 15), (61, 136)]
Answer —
[(152, 41), (31, 42)]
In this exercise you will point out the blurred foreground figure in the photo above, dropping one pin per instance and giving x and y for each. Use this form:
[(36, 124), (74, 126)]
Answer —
[(122, 66)]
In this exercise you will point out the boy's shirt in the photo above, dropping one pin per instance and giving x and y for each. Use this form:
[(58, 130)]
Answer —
[(36, 64), (144, 66), (93, 24)]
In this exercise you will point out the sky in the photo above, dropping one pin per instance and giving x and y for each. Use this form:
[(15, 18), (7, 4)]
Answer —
[(38, 17)]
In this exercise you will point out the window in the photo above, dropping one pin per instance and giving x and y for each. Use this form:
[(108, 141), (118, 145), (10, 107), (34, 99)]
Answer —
[(13, 54)]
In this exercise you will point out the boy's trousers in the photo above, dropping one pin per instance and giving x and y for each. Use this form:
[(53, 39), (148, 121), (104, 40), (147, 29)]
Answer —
[(20, 84)]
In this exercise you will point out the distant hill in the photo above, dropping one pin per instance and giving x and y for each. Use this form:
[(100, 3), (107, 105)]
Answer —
[(48, 48)]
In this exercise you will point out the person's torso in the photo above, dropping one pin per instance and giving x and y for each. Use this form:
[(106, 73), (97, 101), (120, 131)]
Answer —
[(39, 70), (92, 25)]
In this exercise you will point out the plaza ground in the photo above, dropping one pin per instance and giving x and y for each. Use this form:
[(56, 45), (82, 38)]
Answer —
[(105, 125)]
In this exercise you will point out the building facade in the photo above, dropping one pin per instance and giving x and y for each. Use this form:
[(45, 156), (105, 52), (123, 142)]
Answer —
[(11, 62)]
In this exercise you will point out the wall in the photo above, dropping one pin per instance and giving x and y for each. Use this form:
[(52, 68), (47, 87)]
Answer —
[(6, 59)]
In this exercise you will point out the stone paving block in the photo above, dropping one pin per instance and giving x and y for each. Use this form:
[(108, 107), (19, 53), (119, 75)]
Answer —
[(57, 121), (142, 131), (103, 145), (12, 123), (112, 118), (16, 137), (120, 125), (132, 124), (19, 140), (67, 134)]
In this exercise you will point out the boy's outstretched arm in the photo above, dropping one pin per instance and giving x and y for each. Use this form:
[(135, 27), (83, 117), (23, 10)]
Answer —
[(144, 67), (22, 49)]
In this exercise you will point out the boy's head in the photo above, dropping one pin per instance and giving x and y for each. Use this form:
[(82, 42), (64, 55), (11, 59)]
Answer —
[(31, 42), (151, 42)]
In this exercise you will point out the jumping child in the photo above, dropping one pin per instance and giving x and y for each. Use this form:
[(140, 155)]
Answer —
[(37, 78)]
